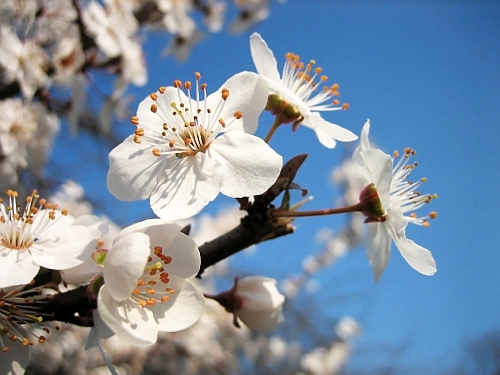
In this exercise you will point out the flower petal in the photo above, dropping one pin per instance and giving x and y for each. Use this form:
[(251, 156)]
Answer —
[(187, 186), (248, 156), (63, 248), (17, 267), (132, 171), (263, 58), (125, 264), (316, 122), (15, 360), (378, 247), (418, 257), (364, 141), (182, 310), (183, 250), (379, 166), (127, 319), (261, 321), (248, 94)]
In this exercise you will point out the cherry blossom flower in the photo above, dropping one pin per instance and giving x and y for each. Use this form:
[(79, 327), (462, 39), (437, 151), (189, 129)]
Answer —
[(147, 288), (177, 156), (19, 305), (24, 62), (297, 87), (38, 236), (389, 196), (255, 300)]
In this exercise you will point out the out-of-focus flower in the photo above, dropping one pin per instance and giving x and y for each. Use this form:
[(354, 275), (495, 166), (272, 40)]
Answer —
[(17, 128), (68, 58), (256, 301), (178, 156), (113, 35), (251, 12), (24, 62), (147, 289), (388, 196), (176, 17), (39, 235), (18, 305), (297, 87), (326, 361), (347, 328)]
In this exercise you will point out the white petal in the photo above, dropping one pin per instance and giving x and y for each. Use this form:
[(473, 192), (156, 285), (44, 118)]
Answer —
[(261, 320), (379, 166), (259, 293), (17, 267), (182, 310), (251, 165), (127, 319), (132, 170), (168, 231), (364, 141), (378, 247), (63, 248), (316, 122), (183, 250), (263, 58), (188, 186), (418, 257), (248, 94), (125, 264)]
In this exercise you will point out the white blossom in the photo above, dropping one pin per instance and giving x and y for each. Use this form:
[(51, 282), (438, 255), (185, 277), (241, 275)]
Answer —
[(297, 86), (185, 149), (39, 235), (396, 196), (23, 62), (147, 288)]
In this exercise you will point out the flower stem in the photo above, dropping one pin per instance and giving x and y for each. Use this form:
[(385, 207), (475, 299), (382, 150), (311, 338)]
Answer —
[(277, 122), (358, 207)]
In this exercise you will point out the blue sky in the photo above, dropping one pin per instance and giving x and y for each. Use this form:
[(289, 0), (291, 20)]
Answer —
[(427, 75)]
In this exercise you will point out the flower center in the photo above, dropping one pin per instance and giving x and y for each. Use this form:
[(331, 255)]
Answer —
[(190, 127), (19, 229), (152, 286), (19, 307)]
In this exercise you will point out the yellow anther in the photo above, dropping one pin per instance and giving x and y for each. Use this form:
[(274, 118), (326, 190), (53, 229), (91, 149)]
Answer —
[(396, 154), (426, 223), (324, 78), (423, 179)]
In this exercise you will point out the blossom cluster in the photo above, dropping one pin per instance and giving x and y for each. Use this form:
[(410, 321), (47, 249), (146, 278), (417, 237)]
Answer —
[(188, 145)]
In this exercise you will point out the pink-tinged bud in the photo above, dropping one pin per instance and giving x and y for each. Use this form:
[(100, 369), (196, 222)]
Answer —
[(372, 205)]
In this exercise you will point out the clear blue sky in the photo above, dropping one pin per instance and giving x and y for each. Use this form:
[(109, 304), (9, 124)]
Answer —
[(427, 74)]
